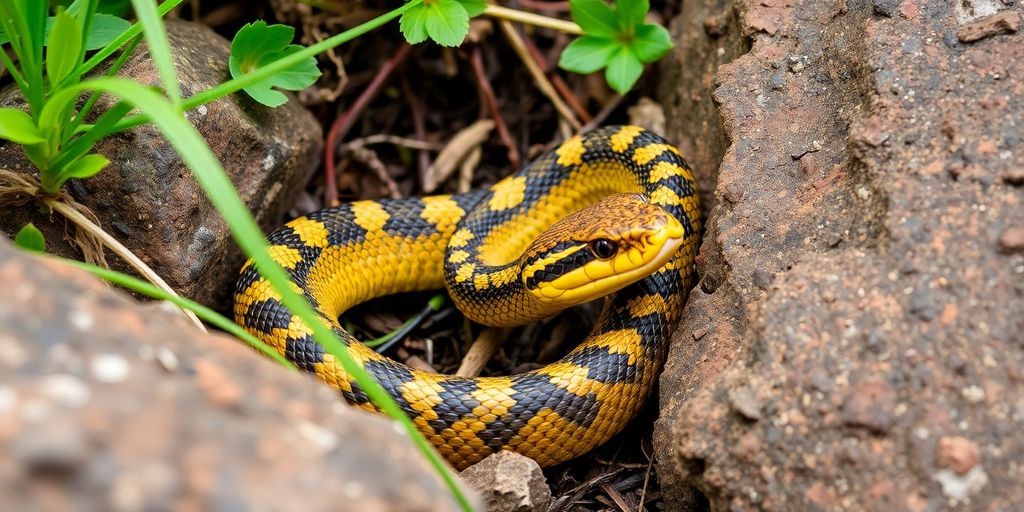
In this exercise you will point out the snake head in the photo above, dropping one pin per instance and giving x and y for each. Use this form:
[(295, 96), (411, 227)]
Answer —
[(599, 250)]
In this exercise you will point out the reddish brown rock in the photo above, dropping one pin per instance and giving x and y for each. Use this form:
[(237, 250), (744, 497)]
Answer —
[(869, 299), (147, 198), (106, 405), (957, 453)]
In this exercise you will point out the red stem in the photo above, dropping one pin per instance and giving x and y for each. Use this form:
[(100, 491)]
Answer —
[(492, 104), (556, 80), (419, 125), (344, 123)]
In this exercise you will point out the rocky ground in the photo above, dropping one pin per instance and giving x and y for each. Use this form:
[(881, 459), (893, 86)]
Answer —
[(856, 339)]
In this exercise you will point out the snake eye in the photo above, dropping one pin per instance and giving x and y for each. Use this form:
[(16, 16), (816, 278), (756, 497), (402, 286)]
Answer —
[(603, 248)]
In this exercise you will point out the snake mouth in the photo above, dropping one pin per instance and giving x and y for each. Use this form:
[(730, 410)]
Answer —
[(598, 287), (660, 259)]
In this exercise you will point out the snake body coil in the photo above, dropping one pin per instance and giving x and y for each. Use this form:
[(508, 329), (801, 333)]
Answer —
[(341, 256)]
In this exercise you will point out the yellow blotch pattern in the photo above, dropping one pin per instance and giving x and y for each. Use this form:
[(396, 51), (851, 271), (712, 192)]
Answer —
[(464, 272), (312, 233), (624, 137), (461, 238), (284, 255), (370, 215), (664, 170), (570, 153), (664, 195), (647, 153), (508, 193), (458, 256)]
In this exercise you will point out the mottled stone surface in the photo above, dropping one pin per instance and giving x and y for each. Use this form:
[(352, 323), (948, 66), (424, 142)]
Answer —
[(509, 482), (147, 198), (856, 341), (109, 405)]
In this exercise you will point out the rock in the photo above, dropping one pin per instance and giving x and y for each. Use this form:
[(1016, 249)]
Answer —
[(106, 405), (147, 198), (957, 453), (1006, 22), (1011, 241), (893, 315), (509, 482)]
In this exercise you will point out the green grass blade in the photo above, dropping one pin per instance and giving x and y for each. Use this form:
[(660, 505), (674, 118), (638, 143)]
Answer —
[(159, 48), (206, 314), (218, 188)]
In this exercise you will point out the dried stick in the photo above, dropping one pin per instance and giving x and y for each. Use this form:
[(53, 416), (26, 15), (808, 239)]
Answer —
[(538, 74), (481, 351), (504, 13)]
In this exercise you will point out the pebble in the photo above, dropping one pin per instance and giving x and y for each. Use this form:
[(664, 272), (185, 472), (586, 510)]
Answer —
[(957, 453), (109, 368), (509, 482)]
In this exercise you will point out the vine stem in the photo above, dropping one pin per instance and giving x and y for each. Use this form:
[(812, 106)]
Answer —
[(497, 11), (117, 248)]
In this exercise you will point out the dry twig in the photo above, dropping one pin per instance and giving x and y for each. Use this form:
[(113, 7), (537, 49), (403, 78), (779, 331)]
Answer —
[(481, 351), (538, 74)]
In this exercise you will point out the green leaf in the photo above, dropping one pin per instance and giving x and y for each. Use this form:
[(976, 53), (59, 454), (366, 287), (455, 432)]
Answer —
[(587, 54), (595, 17), (447, 22), (651, 43), (105, 28), (18, 127), (413, 24), (631, 13), (64, 48), (474, 7), (623, 71), (85, 167), (258, 44), (30, 238)]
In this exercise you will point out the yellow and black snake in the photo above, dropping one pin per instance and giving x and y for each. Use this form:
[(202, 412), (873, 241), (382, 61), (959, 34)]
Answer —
[(508, 254)]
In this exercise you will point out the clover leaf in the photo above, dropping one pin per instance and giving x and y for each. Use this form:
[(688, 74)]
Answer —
[(444, 21), (615, 39), (257, 44)]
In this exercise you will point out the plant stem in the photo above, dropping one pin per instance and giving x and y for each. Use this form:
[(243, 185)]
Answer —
[(123, 252), (497, 11)]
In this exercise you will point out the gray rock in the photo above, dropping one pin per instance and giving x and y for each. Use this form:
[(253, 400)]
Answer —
[(886, 352), (509, 482), (106, 405), (147, 198)]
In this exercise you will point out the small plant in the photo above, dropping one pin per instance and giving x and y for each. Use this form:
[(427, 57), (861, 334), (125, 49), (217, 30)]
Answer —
[(258, 44), (617, 40), (444, 21)]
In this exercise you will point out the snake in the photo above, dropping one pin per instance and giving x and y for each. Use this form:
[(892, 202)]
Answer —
[(613, 212)]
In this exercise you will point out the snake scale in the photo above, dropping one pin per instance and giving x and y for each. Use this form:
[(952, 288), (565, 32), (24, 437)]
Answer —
[(508, 254)]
